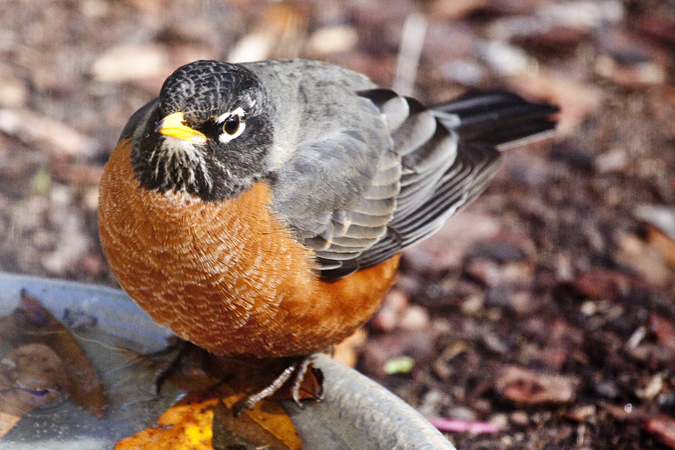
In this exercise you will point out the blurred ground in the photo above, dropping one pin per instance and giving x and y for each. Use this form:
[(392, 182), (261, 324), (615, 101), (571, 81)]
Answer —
[(540, 318)]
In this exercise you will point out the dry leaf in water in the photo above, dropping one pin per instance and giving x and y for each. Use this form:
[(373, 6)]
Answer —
[(184, 426), (31, 376), (267, 424), (31, 323), (204, 421)]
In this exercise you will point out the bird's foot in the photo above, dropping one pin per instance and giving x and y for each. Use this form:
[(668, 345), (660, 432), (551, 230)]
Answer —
[(295, 371)]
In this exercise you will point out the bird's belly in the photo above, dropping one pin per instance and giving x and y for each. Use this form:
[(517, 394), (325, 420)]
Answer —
[(226, 276)]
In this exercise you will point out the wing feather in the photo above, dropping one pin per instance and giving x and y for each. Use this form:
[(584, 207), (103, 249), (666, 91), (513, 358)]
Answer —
[(425, 165)]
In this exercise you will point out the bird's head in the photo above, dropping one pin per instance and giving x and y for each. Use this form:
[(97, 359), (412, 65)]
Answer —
[(209, 135)]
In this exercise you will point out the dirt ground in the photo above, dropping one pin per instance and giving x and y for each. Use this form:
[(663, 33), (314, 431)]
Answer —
[(542, 317)]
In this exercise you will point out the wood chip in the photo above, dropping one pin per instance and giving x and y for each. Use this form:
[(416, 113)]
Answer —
[(663, 427), (128, 62), (57, 138), (526, 387)]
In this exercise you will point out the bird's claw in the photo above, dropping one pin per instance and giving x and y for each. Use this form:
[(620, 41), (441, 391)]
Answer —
[(295, 370)]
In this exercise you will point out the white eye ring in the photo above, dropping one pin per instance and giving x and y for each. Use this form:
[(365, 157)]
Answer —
[(226, 136)]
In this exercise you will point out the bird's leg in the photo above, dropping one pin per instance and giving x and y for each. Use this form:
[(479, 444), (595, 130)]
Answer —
[(278, 382), (296, 370)]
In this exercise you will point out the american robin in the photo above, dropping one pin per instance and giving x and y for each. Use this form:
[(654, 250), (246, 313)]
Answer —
[(260, 209)]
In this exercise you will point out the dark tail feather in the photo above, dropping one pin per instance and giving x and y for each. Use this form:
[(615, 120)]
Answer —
[(495, 117)]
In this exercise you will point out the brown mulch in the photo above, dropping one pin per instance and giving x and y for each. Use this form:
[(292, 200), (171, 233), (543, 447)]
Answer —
[(546, 309)]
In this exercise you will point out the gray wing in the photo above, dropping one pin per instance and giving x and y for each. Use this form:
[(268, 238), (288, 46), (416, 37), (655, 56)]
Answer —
[(361, 194), (369, 173), (437, 177)]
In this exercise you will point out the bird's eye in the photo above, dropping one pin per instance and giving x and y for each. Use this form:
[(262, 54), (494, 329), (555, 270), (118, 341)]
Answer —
[(231, 125)]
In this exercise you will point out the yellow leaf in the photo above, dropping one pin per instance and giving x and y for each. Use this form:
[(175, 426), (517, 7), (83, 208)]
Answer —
[(185, 426), (266, 424)]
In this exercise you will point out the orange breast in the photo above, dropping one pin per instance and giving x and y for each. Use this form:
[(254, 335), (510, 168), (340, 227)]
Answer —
[(226, 276)]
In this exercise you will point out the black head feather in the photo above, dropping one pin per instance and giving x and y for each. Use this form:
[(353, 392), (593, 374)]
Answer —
[(204, 91)]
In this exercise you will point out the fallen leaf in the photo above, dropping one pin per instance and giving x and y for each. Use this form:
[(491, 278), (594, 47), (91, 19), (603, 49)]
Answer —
[(581, 413), (266, 424), (629, 60), (7, 422), (612, 161), (311, 387), (333, 39), (31, 376), (526, 387), (56, 138), (638, 75), (184, 426), (644, 258), (30, 323), (201, 375), (663, 427), (494, 274), (663, 242), (603, 284), (128, 62), (653, 387), (280, 34), (202, 421), (664, 330), (414, 317)]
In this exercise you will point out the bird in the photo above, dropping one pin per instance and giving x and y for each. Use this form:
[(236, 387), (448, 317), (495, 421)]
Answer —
[(259, 210)]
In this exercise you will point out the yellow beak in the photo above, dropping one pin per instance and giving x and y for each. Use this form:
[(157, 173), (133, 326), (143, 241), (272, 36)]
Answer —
[(173, 125)]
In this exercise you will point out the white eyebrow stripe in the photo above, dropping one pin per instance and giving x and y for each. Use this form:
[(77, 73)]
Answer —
[(237, 112)]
